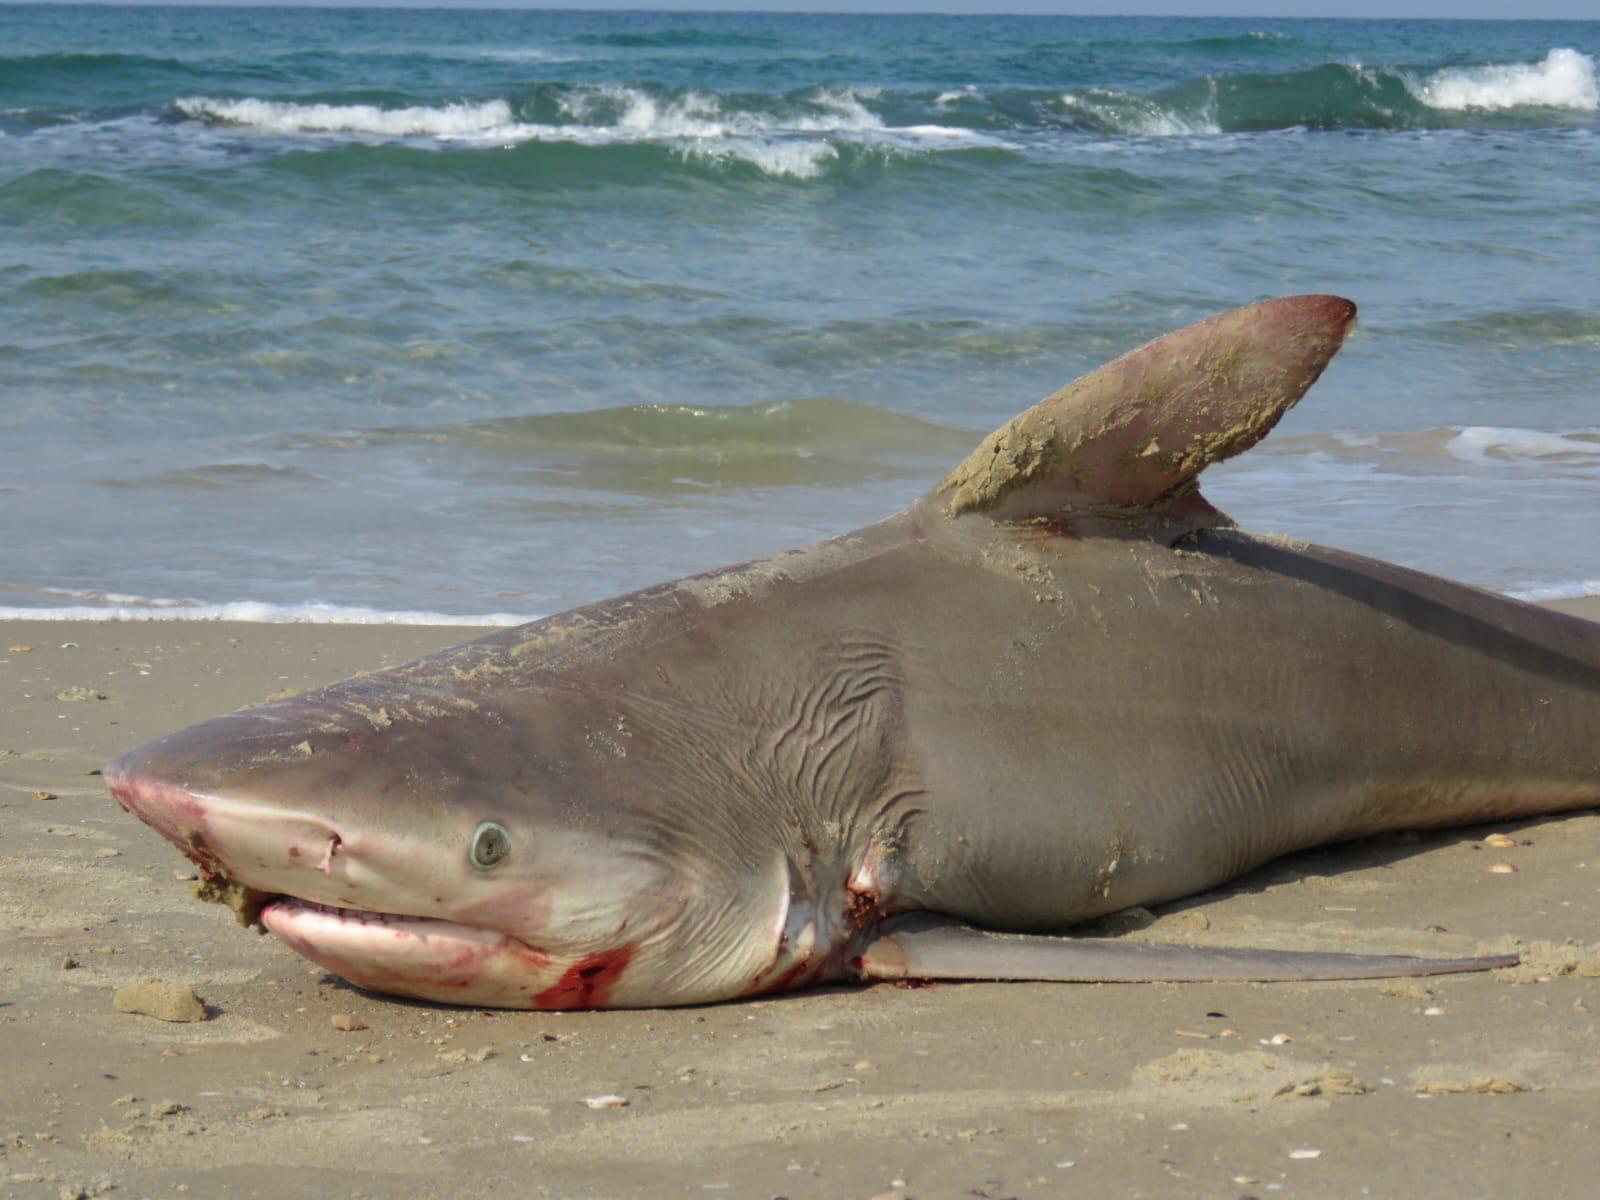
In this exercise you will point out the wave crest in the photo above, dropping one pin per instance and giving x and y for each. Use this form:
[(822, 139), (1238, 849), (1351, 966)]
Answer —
[(804, 133), (1564, 79), (793, 135), (287, 117)]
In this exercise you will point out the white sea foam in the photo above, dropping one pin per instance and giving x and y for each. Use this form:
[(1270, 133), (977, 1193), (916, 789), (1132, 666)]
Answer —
[(119, 606), (1572, 589), (1486, 443), (511, 54), (1143, 117), (800, 144), (967, 92), (1564, 79), (279, 116), (796, 159)]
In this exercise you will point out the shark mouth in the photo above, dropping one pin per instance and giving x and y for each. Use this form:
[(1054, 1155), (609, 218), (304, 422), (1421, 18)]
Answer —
[(444, 961), (425, 957)]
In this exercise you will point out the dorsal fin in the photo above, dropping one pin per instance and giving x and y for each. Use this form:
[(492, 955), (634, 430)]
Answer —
[(1134, 434)]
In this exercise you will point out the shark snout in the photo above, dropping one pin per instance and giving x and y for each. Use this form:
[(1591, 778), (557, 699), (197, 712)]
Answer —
[(174, 812), (265, 846)]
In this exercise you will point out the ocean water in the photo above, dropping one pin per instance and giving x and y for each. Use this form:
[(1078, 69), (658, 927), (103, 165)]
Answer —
[(362, 314)]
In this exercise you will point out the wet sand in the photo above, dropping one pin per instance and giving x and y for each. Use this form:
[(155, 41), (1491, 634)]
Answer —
[(1457, 1086)]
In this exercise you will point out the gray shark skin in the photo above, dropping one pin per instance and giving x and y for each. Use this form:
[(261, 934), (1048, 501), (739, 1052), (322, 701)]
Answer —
[(1058, 685)]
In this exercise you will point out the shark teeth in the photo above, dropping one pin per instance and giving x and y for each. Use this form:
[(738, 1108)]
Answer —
[(362, 916)]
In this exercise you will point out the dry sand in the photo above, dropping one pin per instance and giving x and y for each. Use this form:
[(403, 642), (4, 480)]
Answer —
[(298, 1085)]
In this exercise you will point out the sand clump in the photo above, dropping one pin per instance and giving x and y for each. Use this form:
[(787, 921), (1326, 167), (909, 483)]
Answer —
[(1478, 1085), (1245, 1076), (245, 902), (1330, 1083), (1543, 961), (76, 694), (164, 1001)]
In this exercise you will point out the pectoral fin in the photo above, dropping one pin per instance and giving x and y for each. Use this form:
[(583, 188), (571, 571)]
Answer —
[(923, 946)]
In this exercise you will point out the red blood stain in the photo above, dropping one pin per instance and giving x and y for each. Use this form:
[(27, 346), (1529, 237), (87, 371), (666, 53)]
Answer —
[(861, 907), (784, 979), (792, 977), (587, 984)]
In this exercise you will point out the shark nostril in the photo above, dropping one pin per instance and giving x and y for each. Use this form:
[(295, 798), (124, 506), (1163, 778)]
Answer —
[(326, 865)]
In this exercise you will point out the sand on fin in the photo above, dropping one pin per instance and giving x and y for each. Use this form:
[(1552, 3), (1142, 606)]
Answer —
[(1135, 433), (925, 946)]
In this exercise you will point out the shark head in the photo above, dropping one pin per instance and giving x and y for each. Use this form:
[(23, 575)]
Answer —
[(419, 842)]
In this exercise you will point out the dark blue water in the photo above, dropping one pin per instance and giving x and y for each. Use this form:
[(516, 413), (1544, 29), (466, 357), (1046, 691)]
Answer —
[(493, 312)]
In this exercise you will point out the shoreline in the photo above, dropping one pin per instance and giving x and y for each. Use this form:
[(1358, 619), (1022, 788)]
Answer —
[(1587, 607), (1450, 1085)]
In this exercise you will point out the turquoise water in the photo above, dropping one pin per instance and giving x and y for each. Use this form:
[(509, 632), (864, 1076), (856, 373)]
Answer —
[(345, 312)]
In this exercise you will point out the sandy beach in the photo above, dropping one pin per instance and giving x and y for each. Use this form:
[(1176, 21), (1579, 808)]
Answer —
[(452, 316), (298, 1085)]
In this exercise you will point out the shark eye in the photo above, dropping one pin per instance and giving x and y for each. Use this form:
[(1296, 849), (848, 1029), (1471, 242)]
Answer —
[(490, 845)]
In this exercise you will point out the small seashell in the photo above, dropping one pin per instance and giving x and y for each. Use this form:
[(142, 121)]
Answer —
[(1305, 1152), (609, 1100), (1433, 1010), (1503, 869), (1277, 1039), (1500, 841)]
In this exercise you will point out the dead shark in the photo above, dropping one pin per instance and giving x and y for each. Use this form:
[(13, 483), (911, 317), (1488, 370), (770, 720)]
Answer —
[(1058, 685)]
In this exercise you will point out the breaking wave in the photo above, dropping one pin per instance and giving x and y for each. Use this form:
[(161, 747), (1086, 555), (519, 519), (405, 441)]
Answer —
[(794, 136), (1565, 79), (1353, 96), (806, 133), (446, 122)]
